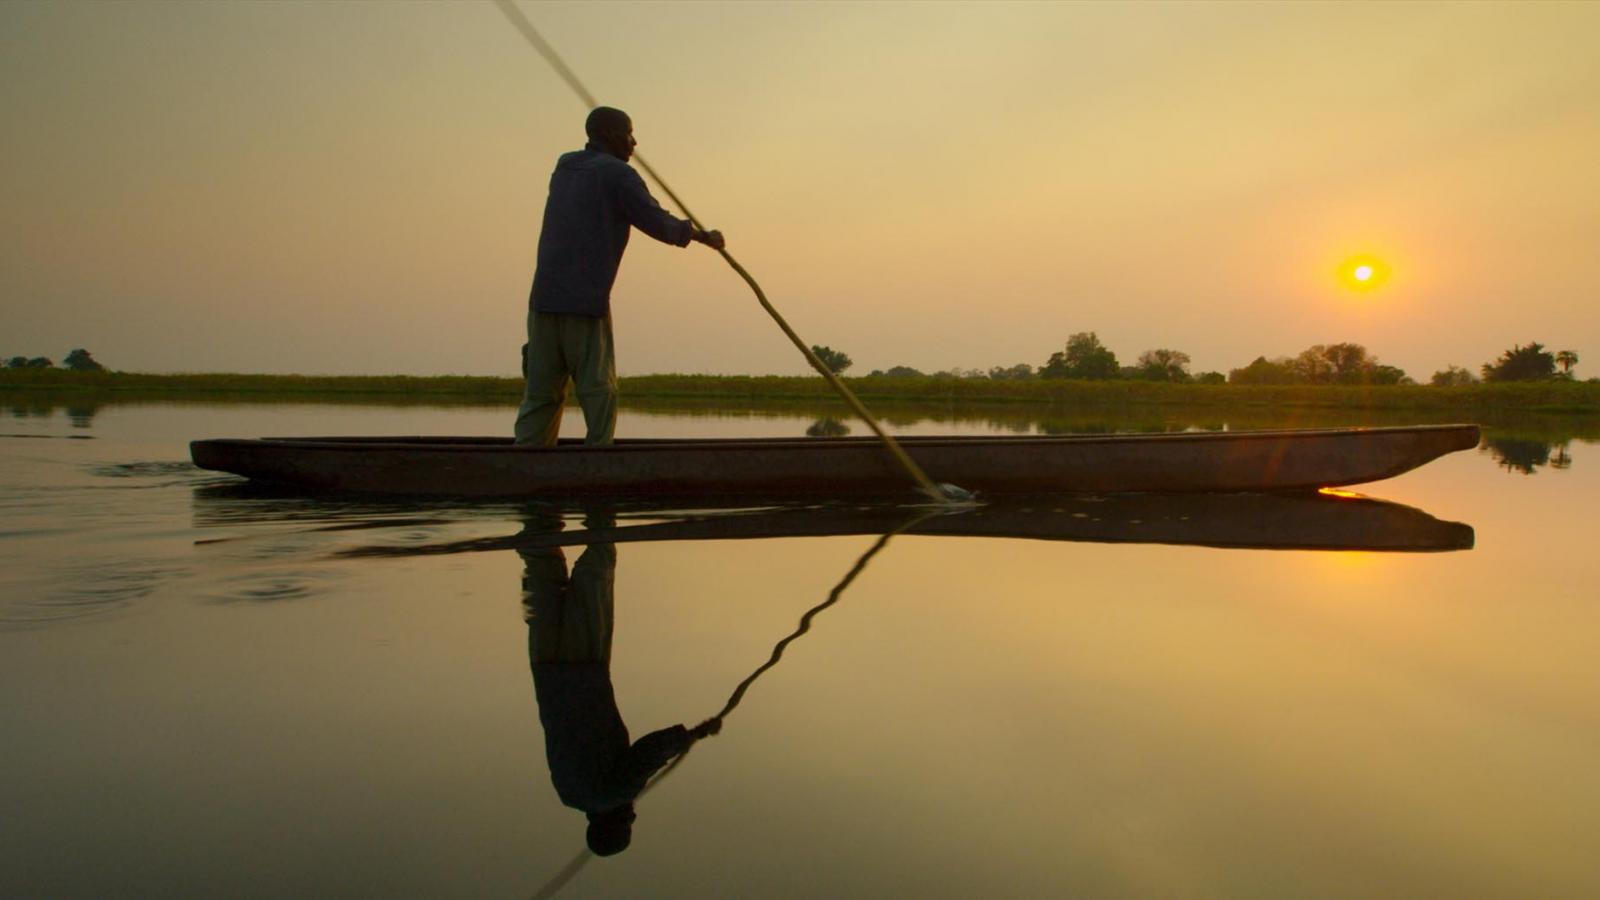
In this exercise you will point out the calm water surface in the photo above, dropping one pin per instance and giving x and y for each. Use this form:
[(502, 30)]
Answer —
[(209, 690)]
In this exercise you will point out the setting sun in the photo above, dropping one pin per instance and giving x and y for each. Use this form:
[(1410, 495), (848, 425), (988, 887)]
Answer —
[(1363, 273)]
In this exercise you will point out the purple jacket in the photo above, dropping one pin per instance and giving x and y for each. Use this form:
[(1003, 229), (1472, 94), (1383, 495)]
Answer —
[(594, 199)]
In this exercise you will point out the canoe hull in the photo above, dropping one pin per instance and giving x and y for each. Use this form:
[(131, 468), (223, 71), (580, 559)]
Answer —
[(1182, 462)]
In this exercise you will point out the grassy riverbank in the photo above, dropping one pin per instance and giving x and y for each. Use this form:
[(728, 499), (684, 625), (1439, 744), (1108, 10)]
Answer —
[(1578, 398), (227, 384)]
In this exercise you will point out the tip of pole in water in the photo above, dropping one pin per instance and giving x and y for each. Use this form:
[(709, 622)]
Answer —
[(950, 495)]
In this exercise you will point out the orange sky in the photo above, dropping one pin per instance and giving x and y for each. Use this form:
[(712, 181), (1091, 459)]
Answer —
[(333, 188)]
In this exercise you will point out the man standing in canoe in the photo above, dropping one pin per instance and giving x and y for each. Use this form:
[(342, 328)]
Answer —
[(595, 197)]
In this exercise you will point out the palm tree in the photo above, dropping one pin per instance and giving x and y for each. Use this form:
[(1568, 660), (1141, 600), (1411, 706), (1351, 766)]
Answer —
[(1566, 359)]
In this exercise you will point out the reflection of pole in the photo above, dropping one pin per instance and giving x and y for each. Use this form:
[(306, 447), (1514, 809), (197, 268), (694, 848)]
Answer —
[(805, 620), (805, 625), (567, 873), (777, 651), (572, 868)]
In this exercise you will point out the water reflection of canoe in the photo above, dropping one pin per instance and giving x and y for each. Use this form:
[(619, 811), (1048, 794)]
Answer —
[(1307, 521), (1189, 461)]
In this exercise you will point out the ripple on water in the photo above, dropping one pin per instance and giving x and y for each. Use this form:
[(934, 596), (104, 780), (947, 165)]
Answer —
[(273, 547), (146, 469), (271, 586), (157, 473), (87, 589)]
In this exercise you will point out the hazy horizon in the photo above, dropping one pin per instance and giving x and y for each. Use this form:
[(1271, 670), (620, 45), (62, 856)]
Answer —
[(356, 188)]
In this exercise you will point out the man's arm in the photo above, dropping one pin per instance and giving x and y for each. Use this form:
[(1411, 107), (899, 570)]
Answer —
[(646, 757), (645, 214)]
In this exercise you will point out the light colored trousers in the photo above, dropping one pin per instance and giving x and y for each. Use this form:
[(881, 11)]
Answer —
[(560, 348), (570, 617)]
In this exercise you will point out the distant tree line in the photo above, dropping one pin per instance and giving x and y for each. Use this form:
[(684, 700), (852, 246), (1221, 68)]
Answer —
[(78, 360), (1344, 363), (1085, 357), (1530, 363)]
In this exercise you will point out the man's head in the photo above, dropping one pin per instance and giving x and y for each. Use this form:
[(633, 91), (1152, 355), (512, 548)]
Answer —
[(612, 129), (611, 832)]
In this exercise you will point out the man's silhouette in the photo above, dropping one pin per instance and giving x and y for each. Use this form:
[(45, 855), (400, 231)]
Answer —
[(595, 198)]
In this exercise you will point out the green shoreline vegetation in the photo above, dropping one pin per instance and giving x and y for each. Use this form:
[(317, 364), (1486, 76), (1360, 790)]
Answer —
[(1084, 376), (1546, 397), (1527, 425)]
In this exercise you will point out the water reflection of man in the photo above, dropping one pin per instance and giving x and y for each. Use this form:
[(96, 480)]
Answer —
[(592, 764)]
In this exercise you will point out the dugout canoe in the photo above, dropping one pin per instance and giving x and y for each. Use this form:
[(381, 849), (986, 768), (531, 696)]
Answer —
[(1237, 461)]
